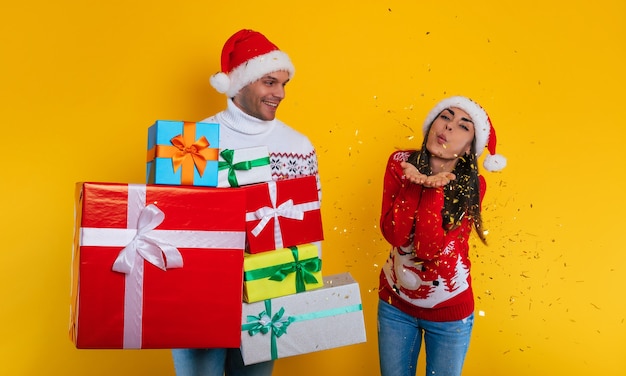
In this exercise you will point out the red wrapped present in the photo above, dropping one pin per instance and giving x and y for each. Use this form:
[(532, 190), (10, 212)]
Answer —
[(157, 266), (282, 214)]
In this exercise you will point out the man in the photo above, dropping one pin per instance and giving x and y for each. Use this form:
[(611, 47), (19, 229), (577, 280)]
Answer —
[(254, 75)]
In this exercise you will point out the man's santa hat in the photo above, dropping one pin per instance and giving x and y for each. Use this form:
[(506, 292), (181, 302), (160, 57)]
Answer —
[(484, 133), (247, 56)]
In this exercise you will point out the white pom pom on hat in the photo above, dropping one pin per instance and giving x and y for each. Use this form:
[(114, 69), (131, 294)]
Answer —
[(220, 82), (493, 161), (485, 133), (247, 56)]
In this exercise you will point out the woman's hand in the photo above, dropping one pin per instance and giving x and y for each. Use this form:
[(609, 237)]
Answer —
[(439, 180), (412, 174)]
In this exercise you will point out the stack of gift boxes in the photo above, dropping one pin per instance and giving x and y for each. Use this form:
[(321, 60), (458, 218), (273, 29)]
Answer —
[(211, 252)]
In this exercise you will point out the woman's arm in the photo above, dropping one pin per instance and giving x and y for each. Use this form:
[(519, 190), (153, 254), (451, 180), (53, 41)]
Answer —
[(399, 202), (430, 236)]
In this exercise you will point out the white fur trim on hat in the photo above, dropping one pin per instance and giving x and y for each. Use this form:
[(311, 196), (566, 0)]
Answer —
[(251, 71)]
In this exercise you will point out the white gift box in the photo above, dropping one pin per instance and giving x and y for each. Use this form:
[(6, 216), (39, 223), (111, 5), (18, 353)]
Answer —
[(315, 320), (243, 166)]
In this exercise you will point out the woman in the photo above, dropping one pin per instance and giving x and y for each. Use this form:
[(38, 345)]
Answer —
[(431, 200)]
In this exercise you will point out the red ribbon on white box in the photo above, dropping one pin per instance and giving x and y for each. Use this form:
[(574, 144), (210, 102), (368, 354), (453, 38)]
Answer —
[(142, 241), (286, 209)]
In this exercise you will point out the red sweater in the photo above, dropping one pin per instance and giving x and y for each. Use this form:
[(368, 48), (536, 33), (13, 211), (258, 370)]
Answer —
[(427, 274)]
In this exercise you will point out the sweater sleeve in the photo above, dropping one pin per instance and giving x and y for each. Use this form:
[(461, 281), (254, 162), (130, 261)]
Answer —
[(399, 202), (430, 237)]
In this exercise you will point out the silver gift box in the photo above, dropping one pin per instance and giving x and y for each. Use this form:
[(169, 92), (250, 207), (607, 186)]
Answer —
[(315, 320)]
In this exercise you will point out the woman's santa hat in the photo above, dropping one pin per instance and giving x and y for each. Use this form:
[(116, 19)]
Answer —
[(484, 133), (247, 56)]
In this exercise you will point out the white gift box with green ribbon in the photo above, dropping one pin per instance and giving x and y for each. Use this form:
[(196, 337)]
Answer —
[(243, 167), (315, 320)]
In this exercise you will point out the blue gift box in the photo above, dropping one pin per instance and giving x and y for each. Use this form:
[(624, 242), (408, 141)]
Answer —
[(182, 153)]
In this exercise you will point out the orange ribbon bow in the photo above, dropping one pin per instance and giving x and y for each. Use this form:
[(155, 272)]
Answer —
[(185, 152)]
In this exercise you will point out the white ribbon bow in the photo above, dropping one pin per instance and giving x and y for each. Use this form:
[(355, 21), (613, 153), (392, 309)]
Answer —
[(149, 248), (287, 209)]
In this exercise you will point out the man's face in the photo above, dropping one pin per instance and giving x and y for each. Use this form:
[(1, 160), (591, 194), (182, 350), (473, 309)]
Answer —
[(262, 97)]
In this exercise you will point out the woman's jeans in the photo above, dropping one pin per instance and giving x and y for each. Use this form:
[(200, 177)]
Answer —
[(400, 340), (216, 362)]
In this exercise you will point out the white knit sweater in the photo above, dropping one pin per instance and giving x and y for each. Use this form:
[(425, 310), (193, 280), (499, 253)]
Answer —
[(291, 152)]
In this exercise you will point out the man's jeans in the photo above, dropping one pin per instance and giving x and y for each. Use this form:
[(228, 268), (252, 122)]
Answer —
[(400, 339), (216, 362)]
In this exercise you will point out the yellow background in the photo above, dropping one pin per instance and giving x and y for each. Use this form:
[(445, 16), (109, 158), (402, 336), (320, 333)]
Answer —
[(81, 81)]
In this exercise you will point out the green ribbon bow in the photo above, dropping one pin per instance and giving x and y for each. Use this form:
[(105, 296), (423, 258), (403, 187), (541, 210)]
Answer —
[(277, 324), (304, 270), (265, 323), (227, 163)]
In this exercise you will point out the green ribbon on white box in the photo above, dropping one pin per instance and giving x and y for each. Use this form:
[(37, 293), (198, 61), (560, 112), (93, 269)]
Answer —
[(276, 324), (228, 164)]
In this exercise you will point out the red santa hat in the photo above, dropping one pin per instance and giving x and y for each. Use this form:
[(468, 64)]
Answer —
[(247, 56), (484, 133)]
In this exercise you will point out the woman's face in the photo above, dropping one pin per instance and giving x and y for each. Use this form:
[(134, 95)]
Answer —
[(451, 134)]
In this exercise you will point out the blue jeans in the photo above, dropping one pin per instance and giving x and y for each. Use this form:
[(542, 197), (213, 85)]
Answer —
[(216, 362), (400, 340)]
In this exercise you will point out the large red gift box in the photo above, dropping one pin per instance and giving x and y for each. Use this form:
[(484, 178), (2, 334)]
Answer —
[(282, 214), (157, 266)]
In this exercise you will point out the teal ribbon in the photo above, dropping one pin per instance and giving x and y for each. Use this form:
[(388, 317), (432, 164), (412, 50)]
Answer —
[(277, 324), (304, 270), (228, 156), (265, 323)]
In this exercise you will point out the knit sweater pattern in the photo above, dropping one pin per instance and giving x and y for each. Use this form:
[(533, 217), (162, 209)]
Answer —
[(427, 274)]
